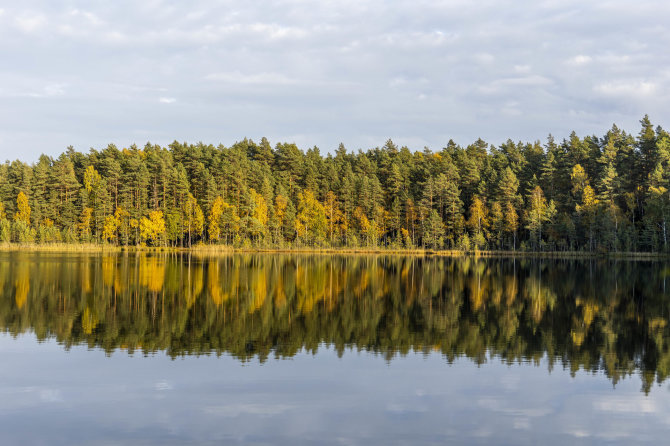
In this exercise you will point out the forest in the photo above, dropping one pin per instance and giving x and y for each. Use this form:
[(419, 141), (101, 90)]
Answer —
[(590, 194)]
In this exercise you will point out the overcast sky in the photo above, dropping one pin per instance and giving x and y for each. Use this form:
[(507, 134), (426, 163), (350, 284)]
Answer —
[(89, 73)]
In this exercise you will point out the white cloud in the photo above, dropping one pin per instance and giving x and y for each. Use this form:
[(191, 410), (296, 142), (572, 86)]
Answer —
[(253, 78), (580, 59), (637, 404), (614, 59), (350, 71), (416, 39), (525, 81), (89, 17), (274, 31), (163, 385), (29, 22), (484, 58), (31, 88), (400, 81), (115, 37), (514, 83), (579, 433), (626, 89)]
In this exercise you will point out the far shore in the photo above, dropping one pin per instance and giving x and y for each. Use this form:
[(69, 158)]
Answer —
[(223, 249)]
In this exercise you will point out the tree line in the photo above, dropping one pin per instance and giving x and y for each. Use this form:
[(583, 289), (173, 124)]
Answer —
[(600, 316), (606, 194)]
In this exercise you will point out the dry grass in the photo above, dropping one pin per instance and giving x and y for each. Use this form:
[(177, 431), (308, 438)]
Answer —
[(59, 247)]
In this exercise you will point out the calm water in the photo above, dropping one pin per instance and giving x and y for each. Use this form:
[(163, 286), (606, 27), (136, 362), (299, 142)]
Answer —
[(272, 349)]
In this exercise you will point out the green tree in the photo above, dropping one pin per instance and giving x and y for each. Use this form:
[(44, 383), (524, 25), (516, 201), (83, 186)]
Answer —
[(193, 219), (433, 231), (538, 212)]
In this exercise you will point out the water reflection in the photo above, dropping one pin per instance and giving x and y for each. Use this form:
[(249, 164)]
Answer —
[(594, 315)]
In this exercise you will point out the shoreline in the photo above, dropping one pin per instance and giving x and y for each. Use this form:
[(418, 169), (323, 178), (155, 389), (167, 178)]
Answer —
[(221, 249)]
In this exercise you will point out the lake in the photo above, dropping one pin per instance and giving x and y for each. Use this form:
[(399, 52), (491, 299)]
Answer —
[(339, 349)]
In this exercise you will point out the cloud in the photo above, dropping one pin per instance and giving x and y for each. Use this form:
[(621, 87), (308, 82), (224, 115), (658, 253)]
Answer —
[(235, 410), (580, 59), (358, 72), (484, 58), (252, 78), (87, 16), (163, 385), (32, 88), (30, 22), (516, 82), (626, 89), (636, 405), (275, 32)]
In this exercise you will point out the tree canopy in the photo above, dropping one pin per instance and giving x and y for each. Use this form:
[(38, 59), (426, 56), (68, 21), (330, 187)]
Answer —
[(606, 193)]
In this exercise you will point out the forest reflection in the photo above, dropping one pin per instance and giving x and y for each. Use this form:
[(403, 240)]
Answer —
[(609, 316)]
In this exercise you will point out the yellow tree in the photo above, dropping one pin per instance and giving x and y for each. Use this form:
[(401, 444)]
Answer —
[(85, 223), (153, 228), (258, 215), (497, 224), (281, 208), (311, 220), (92, 179), (21, 284), (579, 180), (478, 221), (363, 222), (214, 219), (281, 203), (23, 209), (110, 227), (382, 220), (260, 208)]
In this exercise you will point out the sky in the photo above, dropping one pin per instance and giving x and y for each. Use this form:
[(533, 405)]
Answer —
[(317, 73)]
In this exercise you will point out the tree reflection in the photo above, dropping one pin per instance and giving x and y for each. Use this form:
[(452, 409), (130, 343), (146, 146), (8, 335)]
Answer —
[(603, 316)]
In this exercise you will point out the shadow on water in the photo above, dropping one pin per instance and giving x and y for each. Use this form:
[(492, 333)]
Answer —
[(597, 315)]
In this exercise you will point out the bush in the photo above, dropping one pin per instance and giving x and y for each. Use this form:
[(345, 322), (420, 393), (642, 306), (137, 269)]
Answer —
[(23, 233), (5, 231)]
